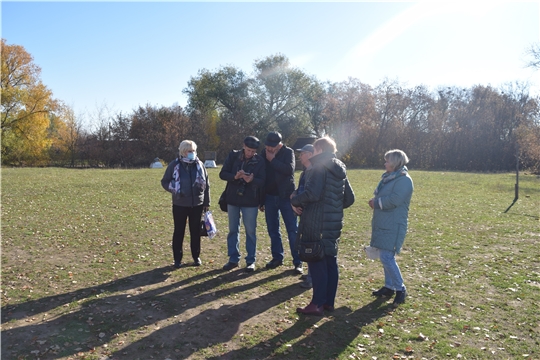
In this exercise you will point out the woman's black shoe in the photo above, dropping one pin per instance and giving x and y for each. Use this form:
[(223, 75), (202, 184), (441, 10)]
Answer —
[(384, 291)]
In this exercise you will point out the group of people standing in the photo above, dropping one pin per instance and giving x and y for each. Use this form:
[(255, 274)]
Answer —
[(265, 183)]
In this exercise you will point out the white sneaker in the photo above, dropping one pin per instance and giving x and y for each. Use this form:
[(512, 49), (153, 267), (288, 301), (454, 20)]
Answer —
[(250, 268)]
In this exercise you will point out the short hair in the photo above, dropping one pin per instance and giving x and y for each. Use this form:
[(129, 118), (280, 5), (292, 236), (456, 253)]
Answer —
[(325, 144), (185, 146), (397, 158)]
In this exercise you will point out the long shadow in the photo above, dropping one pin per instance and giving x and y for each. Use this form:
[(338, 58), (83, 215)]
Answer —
[(200, 327), (322, 342), (99, 320), (18, 311)]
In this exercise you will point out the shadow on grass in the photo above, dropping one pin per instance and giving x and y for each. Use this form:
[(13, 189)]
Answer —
[(214, 326), (47, 303), (99, 320), (318, 342)]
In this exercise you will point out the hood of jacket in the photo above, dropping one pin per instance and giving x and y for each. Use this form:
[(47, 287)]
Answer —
[(331, 163)]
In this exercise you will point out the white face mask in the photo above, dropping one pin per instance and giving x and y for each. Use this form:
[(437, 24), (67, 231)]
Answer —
[(191, 155)]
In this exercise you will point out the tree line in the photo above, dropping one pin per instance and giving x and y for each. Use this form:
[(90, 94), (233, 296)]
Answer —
[(481, 128)]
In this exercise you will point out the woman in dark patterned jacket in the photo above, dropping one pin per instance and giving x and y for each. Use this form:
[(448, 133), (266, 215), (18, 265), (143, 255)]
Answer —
[(187, 180)]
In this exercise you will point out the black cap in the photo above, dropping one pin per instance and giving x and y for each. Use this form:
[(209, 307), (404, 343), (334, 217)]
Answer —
[(252, 142), (273, 138)]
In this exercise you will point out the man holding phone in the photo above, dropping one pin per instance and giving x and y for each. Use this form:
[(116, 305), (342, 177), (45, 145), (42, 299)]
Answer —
[(244, 172)]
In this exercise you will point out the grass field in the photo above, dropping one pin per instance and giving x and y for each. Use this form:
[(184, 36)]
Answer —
[(86, 274)]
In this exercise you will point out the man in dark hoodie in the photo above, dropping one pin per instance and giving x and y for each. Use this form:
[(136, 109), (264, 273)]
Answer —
[(326, 193)]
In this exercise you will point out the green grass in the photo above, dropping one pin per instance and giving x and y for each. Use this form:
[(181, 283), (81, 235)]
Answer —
[(85, 274)]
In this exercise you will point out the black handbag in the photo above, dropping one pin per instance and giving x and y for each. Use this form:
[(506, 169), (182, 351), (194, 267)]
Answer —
[(203, 229), (222, 200), (310, 251)]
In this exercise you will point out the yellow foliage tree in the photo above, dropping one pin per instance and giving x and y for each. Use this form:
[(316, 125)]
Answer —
[(26, 107)]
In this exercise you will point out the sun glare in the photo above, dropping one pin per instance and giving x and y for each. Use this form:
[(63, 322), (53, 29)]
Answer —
[(363, 53)]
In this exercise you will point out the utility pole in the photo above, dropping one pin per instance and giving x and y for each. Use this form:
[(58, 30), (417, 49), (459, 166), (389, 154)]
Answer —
[(516, 186)]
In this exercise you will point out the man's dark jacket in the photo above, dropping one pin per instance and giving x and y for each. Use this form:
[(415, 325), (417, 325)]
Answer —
[(280, 173), (253, 190), (326, 193)]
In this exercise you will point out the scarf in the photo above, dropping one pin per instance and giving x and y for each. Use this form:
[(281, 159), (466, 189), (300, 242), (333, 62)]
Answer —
[(387, 177), (200, 180)]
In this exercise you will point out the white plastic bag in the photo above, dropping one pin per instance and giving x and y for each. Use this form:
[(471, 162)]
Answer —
[(372, 252), (210, 224)]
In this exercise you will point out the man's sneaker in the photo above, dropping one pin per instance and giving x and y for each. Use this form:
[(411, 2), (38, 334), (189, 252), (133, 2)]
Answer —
[(298, 269), (311, 309), (306, 284), (250, 268), (178, 265), (274, 264), (384, 291), (229, 266), (197, 262), (400, 298)]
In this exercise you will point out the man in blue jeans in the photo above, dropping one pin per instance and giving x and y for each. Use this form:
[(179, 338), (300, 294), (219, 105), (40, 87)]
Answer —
[(244, 172), (279, 185)]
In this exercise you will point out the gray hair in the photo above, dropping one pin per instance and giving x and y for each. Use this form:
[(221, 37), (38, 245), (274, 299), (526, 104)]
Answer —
[(397, 158), (325, 144), (185, 146)]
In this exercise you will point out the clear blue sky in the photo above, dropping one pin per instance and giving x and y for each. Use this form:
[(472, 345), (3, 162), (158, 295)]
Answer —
[(129, 54)]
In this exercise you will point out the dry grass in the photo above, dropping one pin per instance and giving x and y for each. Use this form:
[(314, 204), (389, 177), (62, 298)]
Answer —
[(86, 275)]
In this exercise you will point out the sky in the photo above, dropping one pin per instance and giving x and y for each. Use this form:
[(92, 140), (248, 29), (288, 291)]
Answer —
[(122, 55)]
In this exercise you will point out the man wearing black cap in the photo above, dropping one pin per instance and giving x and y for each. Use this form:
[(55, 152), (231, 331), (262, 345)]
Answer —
[(279, 160), (306, 152), (244, 172)]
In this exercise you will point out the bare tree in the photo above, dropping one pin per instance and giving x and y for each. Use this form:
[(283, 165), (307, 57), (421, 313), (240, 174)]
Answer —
[(534, 52)]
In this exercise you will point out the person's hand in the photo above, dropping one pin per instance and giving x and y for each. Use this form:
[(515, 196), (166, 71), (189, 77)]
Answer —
[(370, 203), (247, 178), (270, 156), (239, 174), (297, 210), (205, 208), (261, 208)]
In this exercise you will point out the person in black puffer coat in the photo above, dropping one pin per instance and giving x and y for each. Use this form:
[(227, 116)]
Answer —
[(326, 193)]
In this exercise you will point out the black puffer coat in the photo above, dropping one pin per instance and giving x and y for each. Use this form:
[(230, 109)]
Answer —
[(327, 192)]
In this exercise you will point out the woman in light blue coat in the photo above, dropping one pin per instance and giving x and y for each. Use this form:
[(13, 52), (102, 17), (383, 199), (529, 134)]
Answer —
[(389, 223)]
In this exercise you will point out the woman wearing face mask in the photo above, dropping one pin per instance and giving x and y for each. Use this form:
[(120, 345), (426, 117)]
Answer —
[(187, 180)]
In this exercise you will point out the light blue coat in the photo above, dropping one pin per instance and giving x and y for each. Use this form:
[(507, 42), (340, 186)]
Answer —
[(390, 214)]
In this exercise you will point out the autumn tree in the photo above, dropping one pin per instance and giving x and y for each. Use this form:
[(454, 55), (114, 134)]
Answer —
[(65, 132), (349, 118), (220, 104), (157, 132), (26, 107), (279, 90)]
